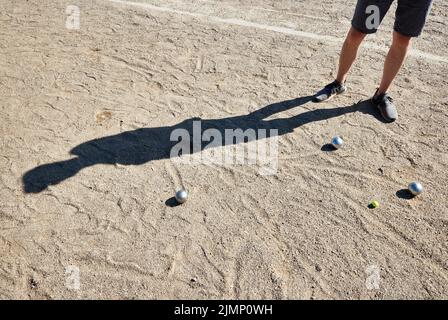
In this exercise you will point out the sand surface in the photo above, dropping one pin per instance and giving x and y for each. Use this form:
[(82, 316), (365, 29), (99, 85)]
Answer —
[(133, 73)]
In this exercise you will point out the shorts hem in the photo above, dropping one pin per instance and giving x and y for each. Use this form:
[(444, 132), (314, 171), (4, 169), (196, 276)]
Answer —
[(407, 34), (357, 28)]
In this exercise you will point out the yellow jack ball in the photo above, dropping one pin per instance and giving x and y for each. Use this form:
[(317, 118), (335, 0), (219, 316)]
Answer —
[(374, 204)]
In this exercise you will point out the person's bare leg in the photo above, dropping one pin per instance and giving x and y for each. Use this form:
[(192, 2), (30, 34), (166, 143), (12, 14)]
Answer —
[(349, 53), (394, 60)]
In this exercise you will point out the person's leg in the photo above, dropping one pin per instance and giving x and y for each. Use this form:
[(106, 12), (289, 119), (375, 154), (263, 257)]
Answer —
[(366, 20), (394, 60), (349, 53), (410, 20), (392, 65)]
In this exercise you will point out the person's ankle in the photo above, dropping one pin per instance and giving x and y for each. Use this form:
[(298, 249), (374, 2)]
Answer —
[(380, 91)]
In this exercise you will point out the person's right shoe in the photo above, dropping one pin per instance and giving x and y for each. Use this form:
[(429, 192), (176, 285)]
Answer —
[(329, 91), (386, 106)]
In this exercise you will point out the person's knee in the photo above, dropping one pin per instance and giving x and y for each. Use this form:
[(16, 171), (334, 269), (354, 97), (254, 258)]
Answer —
[(401, 40), (355, 37)]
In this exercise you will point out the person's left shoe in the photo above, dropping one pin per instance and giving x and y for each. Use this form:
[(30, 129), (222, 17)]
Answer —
[(386, 106)]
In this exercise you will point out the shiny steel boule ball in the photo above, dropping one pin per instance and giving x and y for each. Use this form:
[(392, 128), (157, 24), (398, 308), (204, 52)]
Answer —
[(415, 188), (337, 142), (181, 196)]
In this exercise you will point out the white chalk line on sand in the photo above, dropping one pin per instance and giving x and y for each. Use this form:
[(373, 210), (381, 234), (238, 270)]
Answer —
[(302, 34)]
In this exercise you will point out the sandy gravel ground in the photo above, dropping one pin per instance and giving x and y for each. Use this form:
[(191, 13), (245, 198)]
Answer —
[(85, 181)]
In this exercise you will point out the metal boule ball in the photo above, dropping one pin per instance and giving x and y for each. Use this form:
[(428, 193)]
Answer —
[(181, 196), (415, 188), (337, 142)]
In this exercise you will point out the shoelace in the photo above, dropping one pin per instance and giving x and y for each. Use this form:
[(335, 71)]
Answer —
[(333, 87), (384, 97)]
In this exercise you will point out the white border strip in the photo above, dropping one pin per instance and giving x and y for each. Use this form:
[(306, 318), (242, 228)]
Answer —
[(302, 34)]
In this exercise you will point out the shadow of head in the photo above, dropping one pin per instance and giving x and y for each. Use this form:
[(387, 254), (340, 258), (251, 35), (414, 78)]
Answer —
[(39, 178)]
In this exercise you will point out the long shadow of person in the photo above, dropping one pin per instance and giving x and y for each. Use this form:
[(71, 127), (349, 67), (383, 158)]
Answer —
[(147, 144)]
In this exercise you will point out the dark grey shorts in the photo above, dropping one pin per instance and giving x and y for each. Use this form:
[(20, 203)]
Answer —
[(410, 17)]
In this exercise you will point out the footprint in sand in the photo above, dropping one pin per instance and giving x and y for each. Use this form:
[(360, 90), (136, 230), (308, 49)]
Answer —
[(103, 116)]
